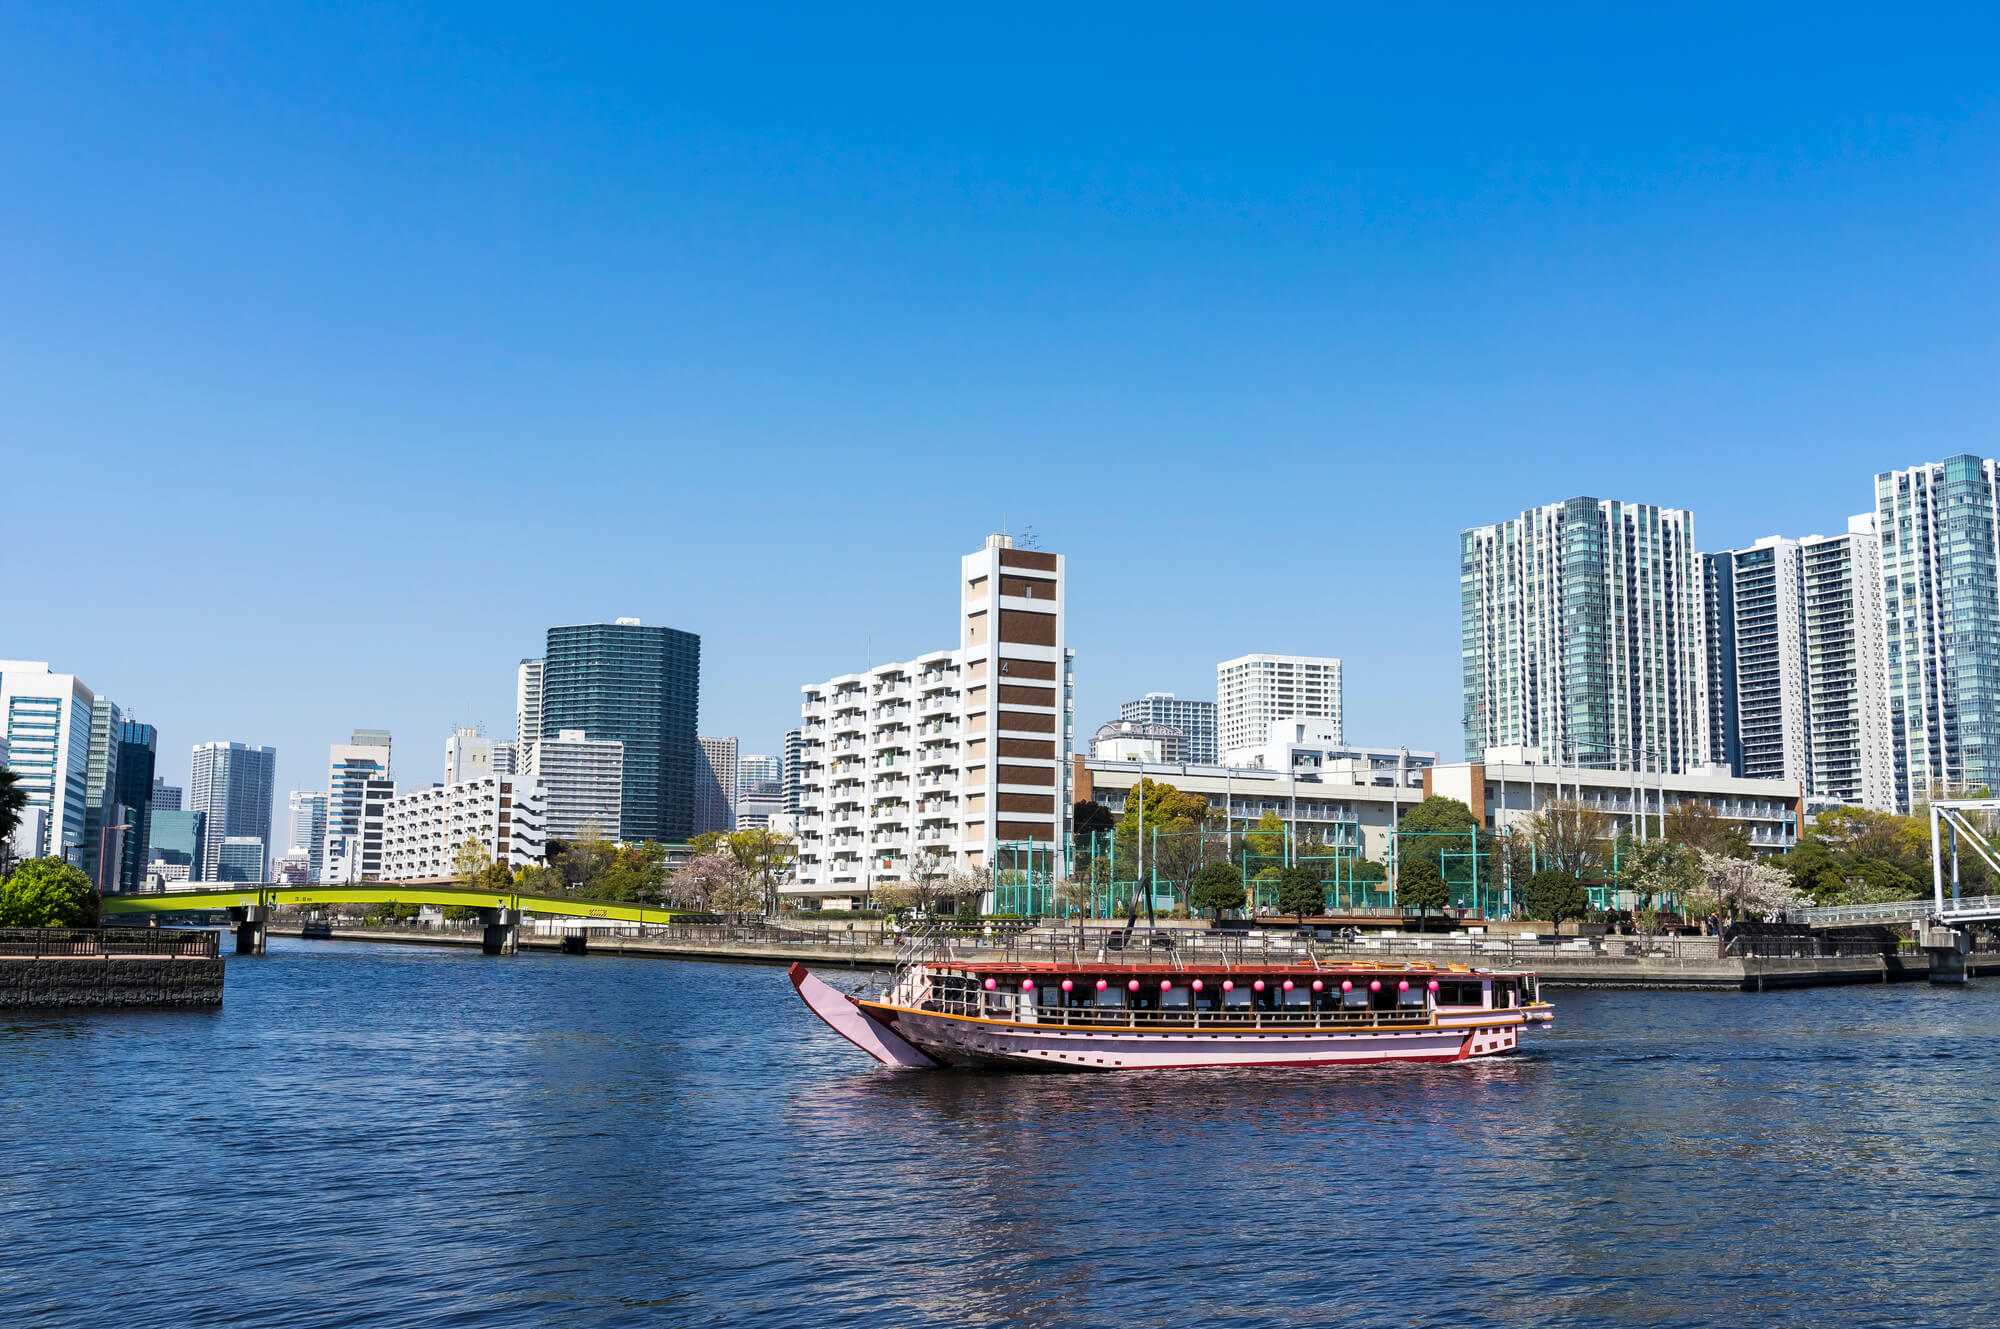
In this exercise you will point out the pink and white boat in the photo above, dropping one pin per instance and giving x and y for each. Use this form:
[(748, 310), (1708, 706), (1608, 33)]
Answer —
[(1139, 1016)]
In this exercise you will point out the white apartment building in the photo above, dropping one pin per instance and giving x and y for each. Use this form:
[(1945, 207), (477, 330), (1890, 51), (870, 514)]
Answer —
[(425, 829), (583, 783), (354, 849), (1194, 719), (1582, 636), (468, 756), (527, 711), (1796, 682), (359, 784), (1314, 748), (959, 757), (45, 718), (1253, 690)]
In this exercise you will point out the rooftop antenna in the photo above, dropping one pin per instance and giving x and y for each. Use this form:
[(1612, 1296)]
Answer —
[(1028, 540)]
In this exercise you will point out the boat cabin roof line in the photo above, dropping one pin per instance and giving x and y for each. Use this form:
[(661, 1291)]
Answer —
[(1030, 968)]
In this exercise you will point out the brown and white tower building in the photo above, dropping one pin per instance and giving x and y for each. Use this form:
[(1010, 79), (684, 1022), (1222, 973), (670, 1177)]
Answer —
[(936, 763), (1016, 681)]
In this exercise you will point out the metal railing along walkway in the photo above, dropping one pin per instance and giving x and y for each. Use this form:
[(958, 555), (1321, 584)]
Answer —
[(53, 943)]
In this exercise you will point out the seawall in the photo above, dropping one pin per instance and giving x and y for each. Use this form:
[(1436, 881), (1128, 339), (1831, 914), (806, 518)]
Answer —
[(71, 981)]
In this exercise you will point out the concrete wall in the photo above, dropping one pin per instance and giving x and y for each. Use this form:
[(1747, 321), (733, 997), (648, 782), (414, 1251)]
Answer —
[(116, 980)]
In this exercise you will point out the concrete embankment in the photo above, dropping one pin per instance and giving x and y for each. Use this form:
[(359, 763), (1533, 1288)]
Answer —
[(69, 981), (1694, 966)]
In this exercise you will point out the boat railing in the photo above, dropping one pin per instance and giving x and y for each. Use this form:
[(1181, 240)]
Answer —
[(1234, 1017)]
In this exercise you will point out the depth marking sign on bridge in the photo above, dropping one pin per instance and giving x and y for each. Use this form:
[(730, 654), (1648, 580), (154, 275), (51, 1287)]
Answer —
[(374, 892)]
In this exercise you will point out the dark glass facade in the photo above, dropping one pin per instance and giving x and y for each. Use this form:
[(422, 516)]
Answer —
[(640, 685), (138, 745)]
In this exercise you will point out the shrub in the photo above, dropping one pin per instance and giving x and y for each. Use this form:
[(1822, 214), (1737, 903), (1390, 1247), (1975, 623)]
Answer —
[(47, 893)]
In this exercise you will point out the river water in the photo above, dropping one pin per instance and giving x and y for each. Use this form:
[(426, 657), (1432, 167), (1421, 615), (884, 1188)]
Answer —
[(379, 1135)]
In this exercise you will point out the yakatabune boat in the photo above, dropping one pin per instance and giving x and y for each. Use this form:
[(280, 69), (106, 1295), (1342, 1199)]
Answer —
[(1111, 1016)]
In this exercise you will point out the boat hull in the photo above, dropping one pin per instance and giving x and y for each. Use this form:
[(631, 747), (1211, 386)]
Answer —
[(965, 1042)]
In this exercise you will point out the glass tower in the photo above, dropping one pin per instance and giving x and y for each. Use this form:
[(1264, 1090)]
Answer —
[(1940, 529), (640, 686)]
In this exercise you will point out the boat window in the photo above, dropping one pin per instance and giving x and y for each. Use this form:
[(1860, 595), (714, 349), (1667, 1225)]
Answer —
[(1112, 997), (1413, 997), (1355, 997), (1298, 997), (1458, 994), (1239, 999), (1178, 997)]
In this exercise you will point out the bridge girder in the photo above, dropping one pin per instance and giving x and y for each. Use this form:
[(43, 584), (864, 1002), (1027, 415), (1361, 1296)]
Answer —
[(238, 897)]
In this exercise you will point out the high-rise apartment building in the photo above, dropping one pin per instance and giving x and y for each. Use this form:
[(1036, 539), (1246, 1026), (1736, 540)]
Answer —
[(1940, 532), (47, 724), (955, 759), (166, 797), (583, 784), (640, 686), (506, 758), (715, 786), (1253, 690), (233, 783), (306, 830), (426, 829), (527, 709), (1796, 687), (138, 752), (1582, 637), (1195, 721), (795, 747), (358, 778)]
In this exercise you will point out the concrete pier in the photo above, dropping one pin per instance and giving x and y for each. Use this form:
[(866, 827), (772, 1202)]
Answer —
[(1947, 949), (252, 922), (503, 932)]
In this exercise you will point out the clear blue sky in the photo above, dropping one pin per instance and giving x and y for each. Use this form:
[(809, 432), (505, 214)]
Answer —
[(344, 349)]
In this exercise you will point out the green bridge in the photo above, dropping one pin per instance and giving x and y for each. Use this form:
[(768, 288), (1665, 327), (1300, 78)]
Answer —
[(250, 906)]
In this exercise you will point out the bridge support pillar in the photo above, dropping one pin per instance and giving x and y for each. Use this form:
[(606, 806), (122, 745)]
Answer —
[(503, 932), (251, 922), (1947, 948)]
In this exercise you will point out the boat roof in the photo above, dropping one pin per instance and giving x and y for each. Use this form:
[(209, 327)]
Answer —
[(1167, 969)]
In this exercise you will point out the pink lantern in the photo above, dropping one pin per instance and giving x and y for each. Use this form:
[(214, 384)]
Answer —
[(1258, 986), (1318, 986), (1346, 986), (1374, 985), (1288, 985), (1166, 985), (1196, 985), (1065, 985), (1027, 985), (990, 985), (1101, 985), (1403, 986), (1229, 985), (1132, 986), (1434, 985)]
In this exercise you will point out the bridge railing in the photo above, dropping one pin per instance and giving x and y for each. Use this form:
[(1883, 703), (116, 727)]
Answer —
[(39, 943)]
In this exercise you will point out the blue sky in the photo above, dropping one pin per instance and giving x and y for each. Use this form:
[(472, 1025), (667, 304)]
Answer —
[(344, 349)]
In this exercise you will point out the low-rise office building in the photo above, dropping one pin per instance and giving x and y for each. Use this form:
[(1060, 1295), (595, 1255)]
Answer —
[(1507, 793), (1314, 747)]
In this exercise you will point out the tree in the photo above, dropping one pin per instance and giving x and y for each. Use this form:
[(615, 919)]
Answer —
[(1217, 887), (1152, 810), (1555, 895), (1422, 884), (763, 855), (1569, 837), (47, 893), (1434, 827), (1700, 826), (1656, 870), (1267, 838), (470, 862), (13, 802), (708, 883), (1300, 892), (1743, 886)]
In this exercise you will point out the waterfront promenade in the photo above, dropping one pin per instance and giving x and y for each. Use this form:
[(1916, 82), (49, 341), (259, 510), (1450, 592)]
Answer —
[(1612, 962)]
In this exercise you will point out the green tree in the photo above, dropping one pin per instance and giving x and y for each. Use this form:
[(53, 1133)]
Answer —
[(47, 893), (1300, 892), (1433, 828), (1555, 895), (1217, 887), (470, 861), (763, 855), (1267, 838), (1422, 884), (13, 802)]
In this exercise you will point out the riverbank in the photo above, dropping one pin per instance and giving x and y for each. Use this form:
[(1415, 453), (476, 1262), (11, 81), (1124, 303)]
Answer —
[(62, 968), (1690, 966)]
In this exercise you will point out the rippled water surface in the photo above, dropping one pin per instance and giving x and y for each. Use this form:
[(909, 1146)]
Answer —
[(381, 1135)]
